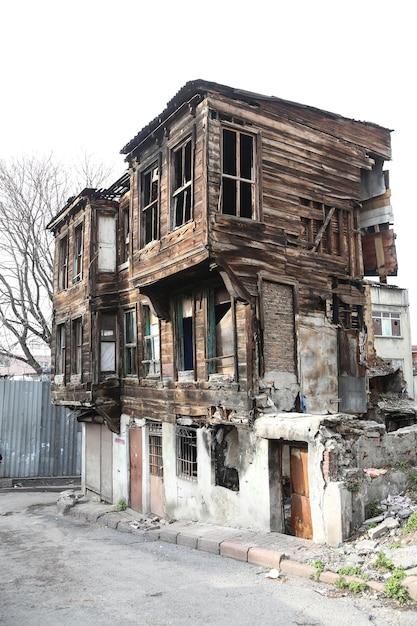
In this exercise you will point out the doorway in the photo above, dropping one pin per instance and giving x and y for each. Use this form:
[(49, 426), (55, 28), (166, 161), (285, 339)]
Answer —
[(156, 469), (135, 452), (289, 489)]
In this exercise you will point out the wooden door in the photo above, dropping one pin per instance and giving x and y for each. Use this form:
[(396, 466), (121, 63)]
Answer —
[(135, 449), (300, 496)]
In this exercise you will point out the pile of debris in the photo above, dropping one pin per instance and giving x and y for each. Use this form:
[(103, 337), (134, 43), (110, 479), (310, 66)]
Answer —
[(148, 523)]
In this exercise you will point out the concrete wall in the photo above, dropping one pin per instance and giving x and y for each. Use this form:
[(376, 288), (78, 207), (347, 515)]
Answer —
[(398, 349), (202, 500), (121, 461)]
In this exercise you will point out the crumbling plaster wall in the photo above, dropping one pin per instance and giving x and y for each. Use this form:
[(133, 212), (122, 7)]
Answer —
[(202, 500), (352, 448)]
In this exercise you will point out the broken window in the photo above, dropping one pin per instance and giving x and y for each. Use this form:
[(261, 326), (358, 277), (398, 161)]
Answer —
[(226, 457), (124, 232), (108, 343), (182, 183), (185, 334), (60, 349), (349, 316), (76, 345), (129, 345), (107, 243), (186, 439), (325, 229), (63, 263), (155, 449), (151, 347), (386, 324), (238, 174), (150, 204), (78, 253), (220, 343)]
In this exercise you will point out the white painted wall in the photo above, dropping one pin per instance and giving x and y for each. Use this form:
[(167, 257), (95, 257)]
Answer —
[(121, 461), (202, 500), (390, 298)]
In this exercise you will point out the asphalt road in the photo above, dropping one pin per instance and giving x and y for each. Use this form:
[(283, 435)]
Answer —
[(57, 571)]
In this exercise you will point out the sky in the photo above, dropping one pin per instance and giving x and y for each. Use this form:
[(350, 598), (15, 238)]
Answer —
[(82, 77)]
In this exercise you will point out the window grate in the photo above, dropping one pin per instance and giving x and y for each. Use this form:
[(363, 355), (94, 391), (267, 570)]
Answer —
[(187, 453), (155, 450)]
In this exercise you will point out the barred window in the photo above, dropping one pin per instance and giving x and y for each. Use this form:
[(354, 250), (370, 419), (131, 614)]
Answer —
[(187, 453), (155, 449)]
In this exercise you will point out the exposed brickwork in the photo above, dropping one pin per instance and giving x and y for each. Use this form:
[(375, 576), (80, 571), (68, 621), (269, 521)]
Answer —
[(279, 340)]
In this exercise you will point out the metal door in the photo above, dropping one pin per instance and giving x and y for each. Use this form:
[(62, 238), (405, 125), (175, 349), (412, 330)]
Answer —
[(301, 524), (135, 449), (93, 457)]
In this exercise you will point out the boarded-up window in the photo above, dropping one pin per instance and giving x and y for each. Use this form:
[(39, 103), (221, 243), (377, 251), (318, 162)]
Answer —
[(107, 243), (279, 328)]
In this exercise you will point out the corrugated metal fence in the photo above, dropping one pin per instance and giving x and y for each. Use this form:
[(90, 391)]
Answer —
[(36, 438)]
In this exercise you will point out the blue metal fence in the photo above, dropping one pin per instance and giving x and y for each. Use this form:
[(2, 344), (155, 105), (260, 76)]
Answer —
[(36, 437)]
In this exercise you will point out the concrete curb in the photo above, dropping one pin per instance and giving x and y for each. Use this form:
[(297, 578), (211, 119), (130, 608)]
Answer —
[(224, 543)]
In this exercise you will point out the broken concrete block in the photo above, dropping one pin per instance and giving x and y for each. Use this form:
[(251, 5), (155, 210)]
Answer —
[(388, 524), (403, 557), (374, 520), (66, 500), (404, 513), (365, 546)]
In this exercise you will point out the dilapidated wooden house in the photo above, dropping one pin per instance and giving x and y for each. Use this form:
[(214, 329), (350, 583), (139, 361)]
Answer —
[(209, 307)]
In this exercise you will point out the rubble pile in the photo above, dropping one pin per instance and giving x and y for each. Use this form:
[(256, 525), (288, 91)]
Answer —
[(148, 523)]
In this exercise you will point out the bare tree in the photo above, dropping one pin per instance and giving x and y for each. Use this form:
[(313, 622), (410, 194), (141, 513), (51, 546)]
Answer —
[(32, 190)]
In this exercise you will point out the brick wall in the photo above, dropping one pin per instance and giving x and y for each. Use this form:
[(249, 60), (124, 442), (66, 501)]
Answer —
[(279, 329)]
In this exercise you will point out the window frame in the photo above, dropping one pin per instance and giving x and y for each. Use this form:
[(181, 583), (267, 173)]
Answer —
[(156, 466), (150, 338), (130, 348), (78, 254), (215, 361), (124, 236), (254, 181), (175, 193), (392, 316), (76, 348), (102, 339), (179, 334), (186, 461), (153, 206), (60, 350), (63, 262)]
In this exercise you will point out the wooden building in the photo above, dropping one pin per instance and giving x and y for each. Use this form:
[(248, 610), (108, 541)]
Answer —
[(218, 281)]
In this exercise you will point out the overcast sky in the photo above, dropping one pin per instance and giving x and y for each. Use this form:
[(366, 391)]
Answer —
[(85, 76)]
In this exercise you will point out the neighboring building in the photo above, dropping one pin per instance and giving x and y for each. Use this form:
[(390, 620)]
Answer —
[(391, 329), (414, 357), (209, 314), (14, 368)]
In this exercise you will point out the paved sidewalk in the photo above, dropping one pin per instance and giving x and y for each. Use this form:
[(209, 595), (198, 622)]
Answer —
[(290, 555)]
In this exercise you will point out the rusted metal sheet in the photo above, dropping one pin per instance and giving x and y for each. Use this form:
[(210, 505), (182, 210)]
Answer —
[(301, 523), (36, 438), (135, 447), (379, 253)]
